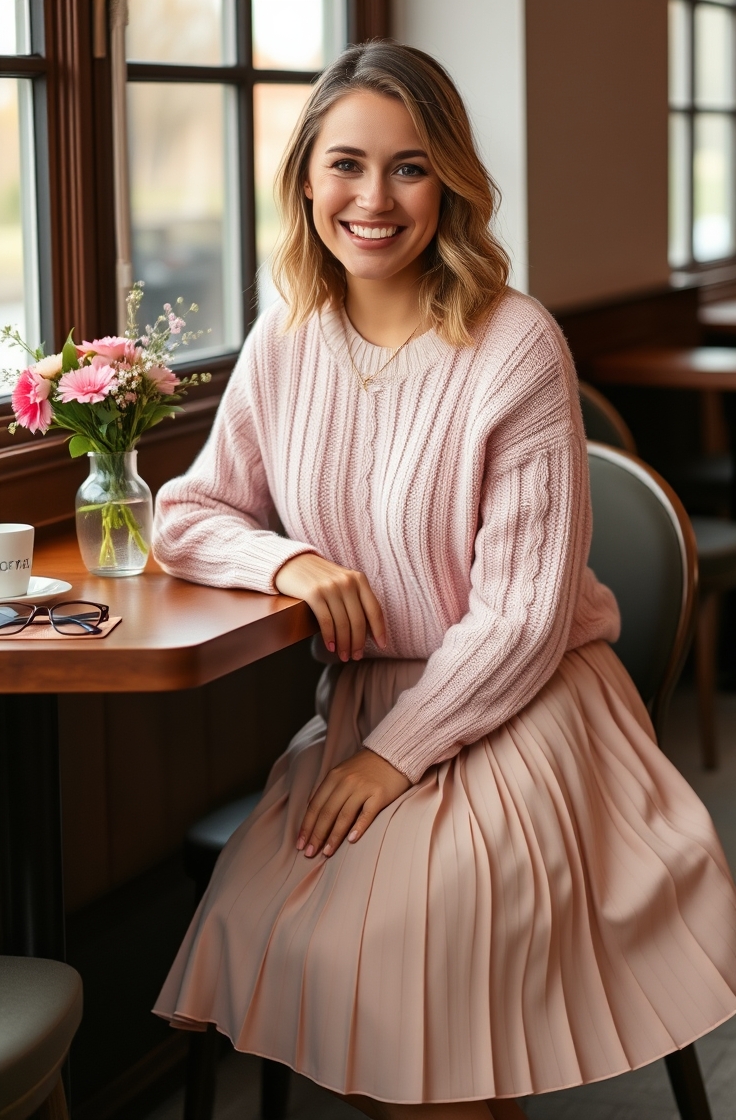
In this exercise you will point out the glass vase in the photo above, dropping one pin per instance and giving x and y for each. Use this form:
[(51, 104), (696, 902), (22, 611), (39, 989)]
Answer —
[(114, 515)]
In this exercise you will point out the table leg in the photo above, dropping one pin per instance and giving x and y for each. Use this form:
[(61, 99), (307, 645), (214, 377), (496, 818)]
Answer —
[(31, 886)]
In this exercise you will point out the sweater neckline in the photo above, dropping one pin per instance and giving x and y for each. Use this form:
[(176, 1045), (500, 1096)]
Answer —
[(342, 339)]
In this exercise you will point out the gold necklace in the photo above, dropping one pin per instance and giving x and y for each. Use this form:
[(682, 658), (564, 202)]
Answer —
[(365, 380)]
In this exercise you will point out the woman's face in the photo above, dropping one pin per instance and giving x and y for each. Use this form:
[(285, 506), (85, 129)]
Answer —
[(376, 197)]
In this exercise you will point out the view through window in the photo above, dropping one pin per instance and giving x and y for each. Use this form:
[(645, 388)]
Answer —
[(19, 294), (215, 88), (702, 95)]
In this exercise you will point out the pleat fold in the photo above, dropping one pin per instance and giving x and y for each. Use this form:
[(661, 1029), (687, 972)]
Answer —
[(548, 908)]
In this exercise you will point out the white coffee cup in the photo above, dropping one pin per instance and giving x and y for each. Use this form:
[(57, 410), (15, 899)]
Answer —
[(16, 559)]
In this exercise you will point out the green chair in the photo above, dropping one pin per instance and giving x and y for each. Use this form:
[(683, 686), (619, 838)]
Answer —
[(644, 549), (40, 1010), (716, 547)]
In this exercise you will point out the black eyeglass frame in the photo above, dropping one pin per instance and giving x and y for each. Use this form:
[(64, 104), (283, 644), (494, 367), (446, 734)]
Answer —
[(89, 627)]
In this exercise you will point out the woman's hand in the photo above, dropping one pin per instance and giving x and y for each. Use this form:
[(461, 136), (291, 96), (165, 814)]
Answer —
[(342, 601), (348, 800)]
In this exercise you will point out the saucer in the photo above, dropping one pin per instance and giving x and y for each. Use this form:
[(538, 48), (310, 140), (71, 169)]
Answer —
[(40, 588)]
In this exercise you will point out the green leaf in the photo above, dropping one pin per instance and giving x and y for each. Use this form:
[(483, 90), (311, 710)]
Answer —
[(106, 412), (80, 445), (69, 358)]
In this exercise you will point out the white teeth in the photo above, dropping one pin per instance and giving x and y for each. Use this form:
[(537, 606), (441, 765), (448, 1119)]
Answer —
[(370, 232)]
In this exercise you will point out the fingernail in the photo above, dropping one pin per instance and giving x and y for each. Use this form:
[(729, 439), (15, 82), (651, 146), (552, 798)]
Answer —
[(353, 836), (310, 851), (327, 849), (382, 643), (344, 655), (357, 656), (331, 647), (300, 843)]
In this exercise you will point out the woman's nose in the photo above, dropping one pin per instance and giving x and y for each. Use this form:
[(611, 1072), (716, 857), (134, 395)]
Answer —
[(374, 196)]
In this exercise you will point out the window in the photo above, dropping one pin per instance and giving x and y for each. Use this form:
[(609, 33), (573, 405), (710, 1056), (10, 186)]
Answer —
[(702, 95), (213, 89), (212, 99), (21, 81)]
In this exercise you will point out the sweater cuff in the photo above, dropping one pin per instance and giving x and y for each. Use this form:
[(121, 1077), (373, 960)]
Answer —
[(394, 740), (274, 552)]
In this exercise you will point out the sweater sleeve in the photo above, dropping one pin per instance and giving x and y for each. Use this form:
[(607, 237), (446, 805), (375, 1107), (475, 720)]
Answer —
[(529, 558), (211, 524)]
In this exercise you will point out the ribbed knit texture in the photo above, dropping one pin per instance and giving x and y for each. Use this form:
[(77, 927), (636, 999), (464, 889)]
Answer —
[(457, 482)]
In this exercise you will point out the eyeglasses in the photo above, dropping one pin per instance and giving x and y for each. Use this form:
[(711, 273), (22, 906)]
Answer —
[(78, 618)]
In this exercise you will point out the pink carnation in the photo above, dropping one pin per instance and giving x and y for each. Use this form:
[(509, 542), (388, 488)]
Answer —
[(164, 379), (30, 401), (111, 347), (88, 384)]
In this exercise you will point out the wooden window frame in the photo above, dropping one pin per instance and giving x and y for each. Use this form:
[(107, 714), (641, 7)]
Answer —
[(73, 131)]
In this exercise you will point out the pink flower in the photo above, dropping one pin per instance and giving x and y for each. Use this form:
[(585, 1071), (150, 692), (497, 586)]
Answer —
[(88, 384), (30, 401), (111, 347), (164, 379)]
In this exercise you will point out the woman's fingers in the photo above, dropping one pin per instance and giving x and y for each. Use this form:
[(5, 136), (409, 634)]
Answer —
[(341, 599), (344, 822), (373, 613), (317, 801)]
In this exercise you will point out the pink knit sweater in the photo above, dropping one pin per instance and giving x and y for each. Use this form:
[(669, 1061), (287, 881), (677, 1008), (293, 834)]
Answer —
[(457, 482)]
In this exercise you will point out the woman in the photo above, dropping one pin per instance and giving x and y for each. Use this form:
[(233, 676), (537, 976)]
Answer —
[(473, 876)]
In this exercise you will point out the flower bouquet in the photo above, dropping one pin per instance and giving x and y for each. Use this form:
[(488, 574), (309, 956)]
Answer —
[(107, 393)]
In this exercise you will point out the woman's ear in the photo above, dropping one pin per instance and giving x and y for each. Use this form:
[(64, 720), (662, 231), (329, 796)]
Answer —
[(308, 190)]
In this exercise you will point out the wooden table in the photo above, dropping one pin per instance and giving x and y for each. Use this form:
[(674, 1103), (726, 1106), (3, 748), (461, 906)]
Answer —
[(174, 635), (718, 319), (703, 368)]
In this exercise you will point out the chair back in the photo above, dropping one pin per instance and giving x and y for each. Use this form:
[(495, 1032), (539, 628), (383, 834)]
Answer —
[(644, 549), (602, 422)]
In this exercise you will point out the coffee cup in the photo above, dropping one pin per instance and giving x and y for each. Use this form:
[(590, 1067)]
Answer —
[(16, 559)]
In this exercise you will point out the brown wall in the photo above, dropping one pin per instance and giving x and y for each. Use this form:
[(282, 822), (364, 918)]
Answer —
[(597, 148)]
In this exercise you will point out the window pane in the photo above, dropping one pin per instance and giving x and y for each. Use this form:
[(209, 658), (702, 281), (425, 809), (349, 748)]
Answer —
[(714, 62), (680, 180), (297, 34), (713, 187), (199, 32), (15, 32), (18, 247), (185, 206), (679, 56), (276, 109)]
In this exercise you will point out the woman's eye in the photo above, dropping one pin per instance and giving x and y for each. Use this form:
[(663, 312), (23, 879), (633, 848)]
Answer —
[(345, 165), (410, 170)]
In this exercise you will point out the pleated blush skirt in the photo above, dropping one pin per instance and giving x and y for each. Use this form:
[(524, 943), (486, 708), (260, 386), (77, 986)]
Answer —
[(550, 907)]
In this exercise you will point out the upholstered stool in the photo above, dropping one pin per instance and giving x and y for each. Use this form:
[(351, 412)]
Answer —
[(40, 1010), (203, 843)]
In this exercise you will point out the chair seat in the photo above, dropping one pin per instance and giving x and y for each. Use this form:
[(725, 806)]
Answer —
[(207, 837), (40, 1010), (214, 830), (716, 552)]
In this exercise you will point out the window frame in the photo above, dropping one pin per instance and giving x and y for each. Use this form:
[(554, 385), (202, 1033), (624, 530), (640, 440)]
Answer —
[(71, 66), (35, 67), (243, 77), (690, 112)]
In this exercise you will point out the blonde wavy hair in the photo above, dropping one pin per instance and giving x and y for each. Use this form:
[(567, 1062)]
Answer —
[(466, 269)]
